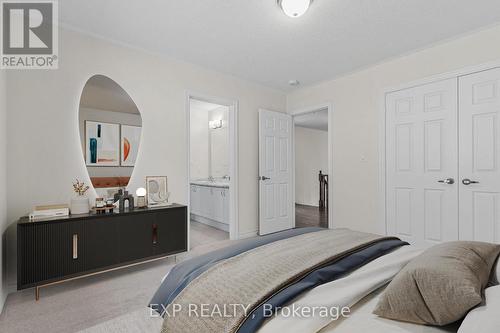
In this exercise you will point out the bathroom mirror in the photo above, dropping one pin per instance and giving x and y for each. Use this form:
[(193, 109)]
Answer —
[(110, 131)]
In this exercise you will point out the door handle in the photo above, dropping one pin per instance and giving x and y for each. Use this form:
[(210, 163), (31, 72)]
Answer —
[(448, 181), (75, 246), (264, 178), (467, 181)]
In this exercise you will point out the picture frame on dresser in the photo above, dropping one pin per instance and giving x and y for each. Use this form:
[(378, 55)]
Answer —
[(157, 191)]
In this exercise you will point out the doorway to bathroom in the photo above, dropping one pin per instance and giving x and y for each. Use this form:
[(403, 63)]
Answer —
[(212, 171)]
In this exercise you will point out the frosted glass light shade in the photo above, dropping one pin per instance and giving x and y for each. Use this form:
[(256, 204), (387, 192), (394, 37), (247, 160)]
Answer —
[(141, 192), (294, 8)]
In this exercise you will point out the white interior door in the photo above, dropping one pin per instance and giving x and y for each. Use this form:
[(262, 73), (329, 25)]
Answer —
[(275, 160), (480, 156), (422, 163)]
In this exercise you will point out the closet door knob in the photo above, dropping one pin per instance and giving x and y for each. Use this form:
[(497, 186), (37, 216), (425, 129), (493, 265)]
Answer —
[(449, 181), (467, 181)]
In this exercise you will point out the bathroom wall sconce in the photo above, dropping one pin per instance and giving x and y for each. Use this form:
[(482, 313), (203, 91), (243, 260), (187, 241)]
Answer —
[(215, 124)]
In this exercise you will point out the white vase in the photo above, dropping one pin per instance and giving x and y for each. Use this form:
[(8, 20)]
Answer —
[(80, 205)]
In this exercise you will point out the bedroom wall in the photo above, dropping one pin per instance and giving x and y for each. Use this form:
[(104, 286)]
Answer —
[(44, 150), (109, 117), (3, 179), (311, 155), (357, 100)]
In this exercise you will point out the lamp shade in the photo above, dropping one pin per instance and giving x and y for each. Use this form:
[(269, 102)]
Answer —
[(141, 192)]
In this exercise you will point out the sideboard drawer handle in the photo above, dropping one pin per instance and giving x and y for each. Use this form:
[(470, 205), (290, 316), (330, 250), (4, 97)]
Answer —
[(155, 233), (75, 246)]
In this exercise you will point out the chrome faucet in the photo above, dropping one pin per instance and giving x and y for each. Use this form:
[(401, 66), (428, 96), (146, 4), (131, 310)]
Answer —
[(211, 178), (226, 177)]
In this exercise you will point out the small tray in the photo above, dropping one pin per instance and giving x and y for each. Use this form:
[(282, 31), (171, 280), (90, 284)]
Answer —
[(104, 210)]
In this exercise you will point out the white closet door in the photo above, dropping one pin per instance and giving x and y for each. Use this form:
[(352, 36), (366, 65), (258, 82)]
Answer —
[(480, 156), (421, 153)]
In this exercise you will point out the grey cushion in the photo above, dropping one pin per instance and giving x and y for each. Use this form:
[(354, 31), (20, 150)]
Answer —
[(495, 274), (441, 285)]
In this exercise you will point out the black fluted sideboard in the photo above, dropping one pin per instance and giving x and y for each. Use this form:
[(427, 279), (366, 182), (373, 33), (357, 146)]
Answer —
[(54, 250)]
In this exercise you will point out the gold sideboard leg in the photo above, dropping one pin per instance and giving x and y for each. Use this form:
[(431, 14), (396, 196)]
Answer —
[(37, 293)]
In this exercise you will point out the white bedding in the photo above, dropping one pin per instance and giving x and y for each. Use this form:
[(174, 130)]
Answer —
[(349, 291)]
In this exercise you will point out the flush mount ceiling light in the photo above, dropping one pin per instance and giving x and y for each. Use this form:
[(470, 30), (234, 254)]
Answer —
[(294, 8)]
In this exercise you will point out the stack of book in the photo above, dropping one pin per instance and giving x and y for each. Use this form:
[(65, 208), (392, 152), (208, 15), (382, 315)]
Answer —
[(45, 212)]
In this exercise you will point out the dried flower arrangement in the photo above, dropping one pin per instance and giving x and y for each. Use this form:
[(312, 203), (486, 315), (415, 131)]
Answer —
[(80, 188)]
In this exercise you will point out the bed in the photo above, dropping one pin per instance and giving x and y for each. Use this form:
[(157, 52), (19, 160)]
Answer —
[(269, 280)]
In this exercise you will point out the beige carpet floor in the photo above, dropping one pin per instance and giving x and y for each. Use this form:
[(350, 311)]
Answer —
[(110, 302)]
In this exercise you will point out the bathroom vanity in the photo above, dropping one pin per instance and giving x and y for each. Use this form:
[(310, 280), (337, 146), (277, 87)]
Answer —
[(210, 203)]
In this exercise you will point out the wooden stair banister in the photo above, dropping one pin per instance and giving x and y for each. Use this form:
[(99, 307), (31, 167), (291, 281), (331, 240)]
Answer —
[(323, 190)]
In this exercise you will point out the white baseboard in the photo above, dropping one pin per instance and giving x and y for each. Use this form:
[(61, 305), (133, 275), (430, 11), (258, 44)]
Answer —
[(248, 234), (210, 222), (307, 204)]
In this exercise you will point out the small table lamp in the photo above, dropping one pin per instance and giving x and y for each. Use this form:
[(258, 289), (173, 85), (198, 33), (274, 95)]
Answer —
[(141, 197)]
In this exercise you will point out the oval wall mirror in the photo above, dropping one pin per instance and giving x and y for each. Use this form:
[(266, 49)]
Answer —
[(110, 130)]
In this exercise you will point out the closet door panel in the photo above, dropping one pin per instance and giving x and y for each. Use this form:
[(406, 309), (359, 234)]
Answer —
[(421, 150), (479, 100)]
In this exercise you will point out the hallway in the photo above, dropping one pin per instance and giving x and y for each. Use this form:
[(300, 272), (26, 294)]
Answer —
[(310, 216)]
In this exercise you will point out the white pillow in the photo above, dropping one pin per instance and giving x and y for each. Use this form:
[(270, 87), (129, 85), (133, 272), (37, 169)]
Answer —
[(484, 318), (495, 273)]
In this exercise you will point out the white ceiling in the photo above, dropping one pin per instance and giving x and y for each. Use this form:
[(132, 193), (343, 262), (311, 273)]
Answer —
[(102, 93), (254, 40), (315, 120)]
